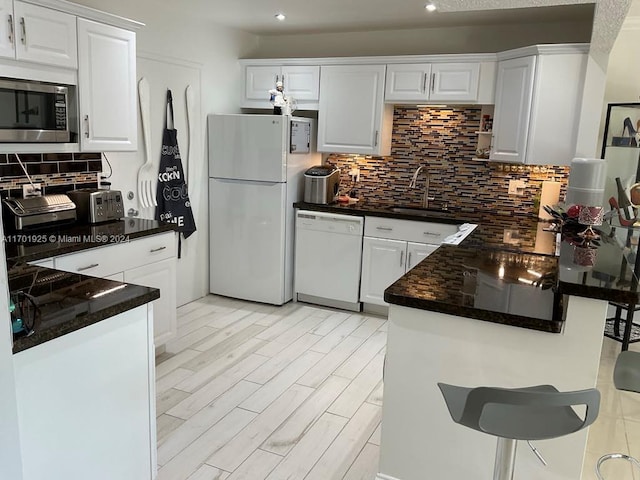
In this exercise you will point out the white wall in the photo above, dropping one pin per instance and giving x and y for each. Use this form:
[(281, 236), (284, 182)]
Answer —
[(176, 48), (487, 38)]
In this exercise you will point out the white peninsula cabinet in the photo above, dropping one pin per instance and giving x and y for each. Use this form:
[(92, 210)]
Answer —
[(353, 117), (301, 82), (538, 101), (36, 34), (107, 87), (86, 402), (393, 247), (148, 261)]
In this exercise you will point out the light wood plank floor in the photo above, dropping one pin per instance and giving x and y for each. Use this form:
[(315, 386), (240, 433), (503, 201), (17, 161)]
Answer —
[(251, 391)]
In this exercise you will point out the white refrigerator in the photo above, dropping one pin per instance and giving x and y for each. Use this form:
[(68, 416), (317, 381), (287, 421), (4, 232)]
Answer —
[(256, 173)]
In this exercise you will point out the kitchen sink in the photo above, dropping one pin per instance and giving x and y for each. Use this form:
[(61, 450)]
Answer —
[(422, 212)]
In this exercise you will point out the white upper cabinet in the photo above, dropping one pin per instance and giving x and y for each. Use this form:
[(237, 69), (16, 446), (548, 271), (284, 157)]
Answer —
[(435, 82), (408, 82), (514, 91), (107, 87), (7, 35), (353, 117), (301, 82), (455, 81), (538, 104), (37, 34)]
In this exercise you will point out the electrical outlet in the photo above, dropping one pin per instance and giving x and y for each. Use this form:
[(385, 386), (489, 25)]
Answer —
[(354, 173), (516, 187), (31, 191)]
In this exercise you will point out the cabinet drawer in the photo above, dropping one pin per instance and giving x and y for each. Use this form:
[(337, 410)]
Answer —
[(96, 262), (110, 259), (408, 230)]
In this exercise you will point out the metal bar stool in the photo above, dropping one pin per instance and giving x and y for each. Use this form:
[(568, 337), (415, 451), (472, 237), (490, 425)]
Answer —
[(532, 413), (626, 376)]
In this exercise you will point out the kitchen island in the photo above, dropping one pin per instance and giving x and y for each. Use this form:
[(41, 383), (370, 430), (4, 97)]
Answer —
[(435, 336)]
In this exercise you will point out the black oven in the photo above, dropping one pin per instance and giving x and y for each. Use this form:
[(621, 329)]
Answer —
[(33, 112)]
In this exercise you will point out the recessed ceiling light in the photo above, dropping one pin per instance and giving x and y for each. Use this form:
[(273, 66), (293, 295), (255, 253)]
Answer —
[(430, 7), (280, 16)]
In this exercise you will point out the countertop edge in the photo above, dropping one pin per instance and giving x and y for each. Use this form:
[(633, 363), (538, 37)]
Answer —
[(25, 343), (508, 319)]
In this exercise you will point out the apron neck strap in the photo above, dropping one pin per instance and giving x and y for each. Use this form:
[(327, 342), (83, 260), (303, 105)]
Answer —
[(169, 113)]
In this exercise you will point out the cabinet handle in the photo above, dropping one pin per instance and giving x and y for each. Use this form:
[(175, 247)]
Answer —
[(386, 229), (433, 81), (93, 265), (24, 31), (156, 249), (10, 20), (86, 124), (424, 83), (375, 139), (282, 80), (431, 234), (408, 259), (277, 78), (401, 258)]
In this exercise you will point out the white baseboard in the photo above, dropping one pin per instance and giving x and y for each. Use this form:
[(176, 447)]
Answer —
[(382, 476)]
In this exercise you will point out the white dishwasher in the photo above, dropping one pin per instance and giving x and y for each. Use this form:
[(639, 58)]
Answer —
[(328, 255)]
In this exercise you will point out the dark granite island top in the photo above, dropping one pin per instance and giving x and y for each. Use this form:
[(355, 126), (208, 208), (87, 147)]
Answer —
[(68, 302)]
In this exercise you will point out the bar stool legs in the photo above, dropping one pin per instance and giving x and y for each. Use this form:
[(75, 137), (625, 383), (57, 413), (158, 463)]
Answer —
[(505, 459)]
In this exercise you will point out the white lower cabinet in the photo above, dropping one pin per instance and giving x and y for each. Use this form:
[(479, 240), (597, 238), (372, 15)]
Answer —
[(148, 261), (161, 275), (383, 262), (390, 249)]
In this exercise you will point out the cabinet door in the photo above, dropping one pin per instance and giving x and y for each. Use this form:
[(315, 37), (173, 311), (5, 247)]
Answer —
[(161, 275), (407, 82), (416, 252), (514, 93), (259, 80), (455, 81), (350, 118), (383, 262), (7, 29), (107, 84), (45, 36), (302, 82)]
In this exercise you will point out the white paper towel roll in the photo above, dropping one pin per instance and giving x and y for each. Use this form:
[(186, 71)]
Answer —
[(550, 195)]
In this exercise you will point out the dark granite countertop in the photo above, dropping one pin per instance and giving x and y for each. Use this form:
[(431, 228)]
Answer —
[(515, 253), (67, 301), (32, 246)]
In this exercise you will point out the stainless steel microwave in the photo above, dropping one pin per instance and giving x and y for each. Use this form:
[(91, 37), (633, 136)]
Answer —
[(33, 112)]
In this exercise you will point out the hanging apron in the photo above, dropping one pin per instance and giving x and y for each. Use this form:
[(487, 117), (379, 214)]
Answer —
[(171, 195)]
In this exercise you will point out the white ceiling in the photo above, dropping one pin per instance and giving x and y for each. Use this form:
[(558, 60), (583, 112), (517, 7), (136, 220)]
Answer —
[(320, 16)]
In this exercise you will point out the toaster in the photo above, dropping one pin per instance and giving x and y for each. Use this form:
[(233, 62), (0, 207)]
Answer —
[(321, 184), (96, 206)]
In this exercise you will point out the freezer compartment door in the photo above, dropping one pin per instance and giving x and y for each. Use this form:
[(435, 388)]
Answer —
[(248, 147), (247, 241)]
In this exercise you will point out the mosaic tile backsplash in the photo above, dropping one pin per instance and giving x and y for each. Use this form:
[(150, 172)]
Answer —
[(445, 140), (58, 172)]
